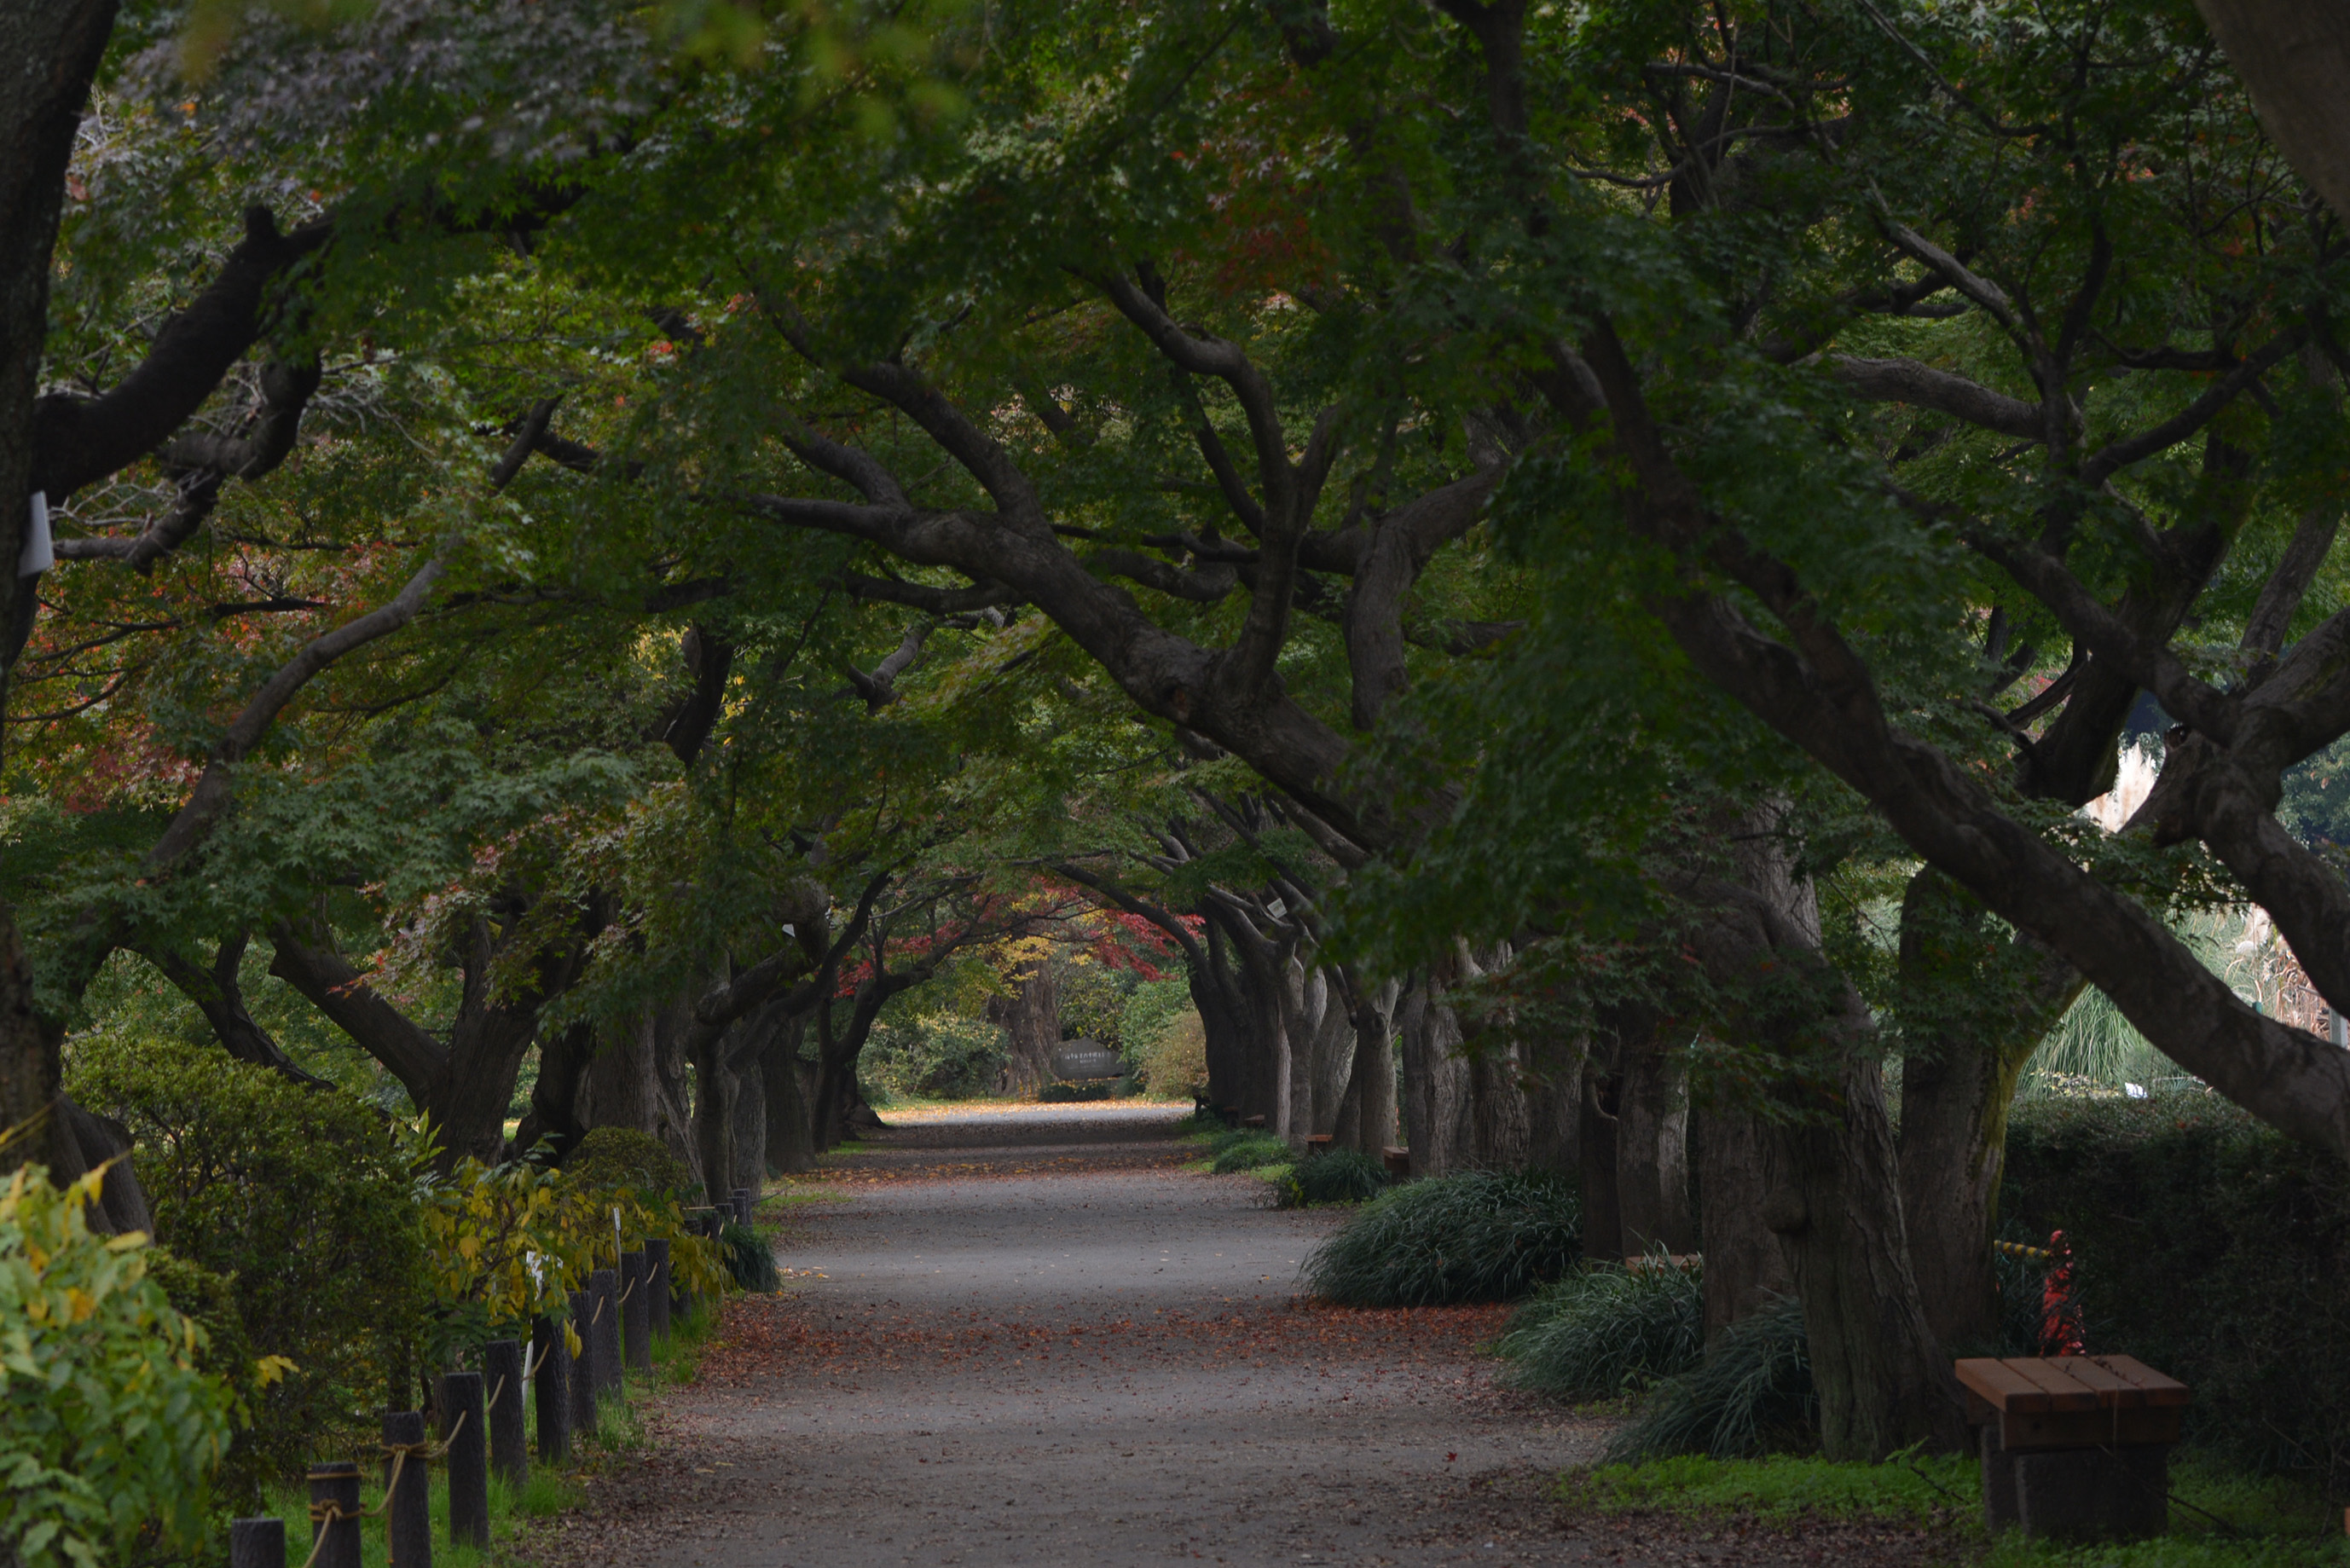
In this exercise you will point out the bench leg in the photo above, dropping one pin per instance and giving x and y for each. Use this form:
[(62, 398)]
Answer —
[(1998, 1483), (2102, 1494)]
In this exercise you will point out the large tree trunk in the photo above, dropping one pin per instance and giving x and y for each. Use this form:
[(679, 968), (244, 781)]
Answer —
[(1652, 1143), (1602, 1092), (791, 1136), (2294, 55), (1882, 1379), (1216, 993), (1435, 1080), (52, 50), (554, 1099), (1030, 1020), (1974, 1003), (1555, 1103), (1367, 1112), (1745, 1265)]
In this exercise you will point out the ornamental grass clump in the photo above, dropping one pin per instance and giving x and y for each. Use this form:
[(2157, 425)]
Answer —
[(1480, 1236), (1248, 1151), (1606, 1330), (1337, 1175), (1754, 1394)]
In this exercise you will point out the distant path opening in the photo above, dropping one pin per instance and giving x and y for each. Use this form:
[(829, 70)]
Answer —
[(1028, 1335)]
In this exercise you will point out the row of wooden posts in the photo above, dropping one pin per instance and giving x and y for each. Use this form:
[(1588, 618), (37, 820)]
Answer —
[(618, 1315)]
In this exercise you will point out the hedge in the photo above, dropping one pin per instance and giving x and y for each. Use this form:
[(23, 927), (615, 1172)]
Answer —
[(2210, 1248)]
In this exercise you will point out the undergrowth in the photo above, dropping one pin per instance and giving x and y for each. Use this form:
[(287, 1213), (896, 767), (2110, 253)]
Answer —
[(2223, 1519), (1753, 1394), (1606, 1330), (1478, 1236), (1335, 1176)]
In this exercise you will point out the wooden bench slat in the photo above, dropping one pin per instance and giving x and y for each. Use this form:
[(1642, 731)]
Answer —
[(2159, 1389), (2000, 1385), (2113, 1391), (2061, 1392)]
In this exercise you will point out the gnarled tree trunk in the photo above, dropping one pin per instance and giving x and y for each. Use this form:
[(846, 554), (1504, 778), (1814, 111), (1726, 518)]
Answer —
[(1031, 1020)]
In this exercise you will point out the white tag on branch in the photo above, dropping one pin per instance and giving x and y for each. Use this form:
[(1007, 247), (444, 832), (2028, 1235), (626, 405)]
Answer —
[(39, 554)]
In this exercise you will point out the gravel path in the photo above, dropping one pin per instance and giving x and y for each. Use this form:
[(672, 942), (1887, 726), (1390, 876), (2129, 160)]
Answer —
[(1030, 1336)]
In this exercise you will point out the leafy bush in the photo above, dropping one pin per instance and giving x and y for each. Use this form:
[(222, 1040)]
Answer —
[(1337, 1176), (625, 1157), (1248, 1151), (1478, 1236), (107, 1427), (750, 1259), (1152, 1008), (938, 1056), (1752, 1394), (306, 1201), (1176, 1060), (2212, 1248), (1606, 1330)]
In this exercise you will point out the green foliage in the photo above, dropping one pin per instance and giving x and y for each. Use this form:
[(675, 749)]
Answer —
[(1606, 1330), (1335, 1176), (750, 1259), (1176, 1060), (1245, 1150), (1478, 1236), (1782, 1489), (304, 1199), (107, 1426), (1752, 1393), (933, 1056), (2212, 1248), (1093, 1003), (1153, 1007), (626, 1158), (1075, 1093)]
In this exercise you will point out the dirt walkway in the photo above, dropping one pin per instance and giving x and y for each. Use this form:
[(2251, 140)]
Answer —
[(1031, 1337)]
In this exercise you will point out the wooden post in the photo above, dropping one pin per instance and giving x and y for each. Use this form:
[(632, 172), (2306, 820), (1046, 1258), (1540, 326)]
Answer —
[(744, 1199), (408, 1492), (335, 1514), (256, 1543), (462, 1428), (606, 1341), (582, 1366), (636, 1312), (657, 1286), (553, 1377), (502, 1375)]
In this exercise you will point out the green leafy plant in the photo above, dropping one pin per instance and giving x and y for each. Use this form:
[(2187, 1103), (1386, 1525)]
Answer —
[(750, 1257), (1336, 1175), (624, 1156), (1483, 1235), (1753, 1393), (108, 1429), (1606, 1330), (307, 1202), (1248, 1151)]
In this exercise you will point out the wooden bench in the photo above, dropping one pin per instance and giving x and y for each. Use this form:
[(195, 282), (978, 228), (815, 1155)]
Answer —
[(2075, 1446)]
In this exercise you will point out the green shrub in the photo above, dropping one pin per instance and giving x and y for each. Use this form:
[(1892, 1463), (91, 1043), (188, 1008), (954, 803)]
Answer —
[(1752, 1394), (107, 1427), (936, 1056), (1250, 1151), (2211, 1248), (624, 1156), (1606, 1330), (1337, 1176), (750, 1257), (1478, 1236), (304, 1199)]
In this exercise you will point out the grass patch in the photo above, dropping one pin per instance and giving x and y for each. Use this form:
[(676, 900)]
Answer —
[(2266, 1523), (1783, 1488), (1243, 1149), (1480, 1236), (1606, 1330)]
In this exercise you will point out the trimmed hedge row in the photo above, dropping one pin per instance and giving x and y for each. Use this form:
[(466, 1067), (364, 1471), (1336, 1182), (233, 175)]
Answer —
[(2211, 1248)]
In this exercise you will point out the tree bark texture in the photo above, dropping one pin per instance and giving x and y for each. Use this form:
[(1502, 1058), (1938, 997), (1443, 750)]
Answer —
[(1974, 1004), (1602, 1094), (1030, 1020), (1745, 1265), (1653, 1142), (791, 1142), (2294, 55), (1436, 1107)]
